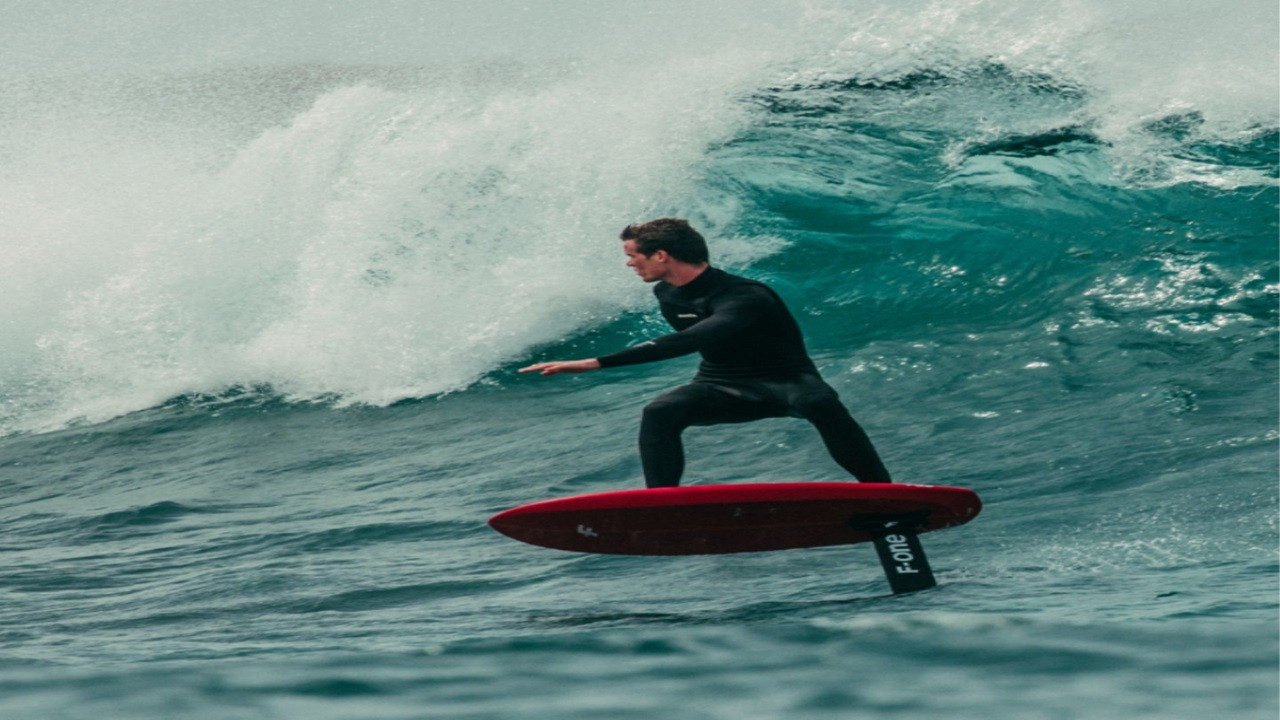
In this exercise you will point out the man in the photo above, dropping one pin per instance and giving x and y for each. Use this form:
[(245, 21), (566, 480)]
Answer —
[(754, 362)]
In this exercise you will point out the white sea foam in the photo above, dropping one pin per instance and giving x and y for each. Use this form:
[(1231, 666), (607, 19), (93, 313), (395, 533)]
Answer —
[(1137, 61), (383, 244)]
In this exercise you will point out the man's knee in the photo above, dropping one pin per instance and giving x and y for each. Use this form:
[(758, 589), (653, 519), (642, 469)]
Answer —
[(665, 413), (820, 406)]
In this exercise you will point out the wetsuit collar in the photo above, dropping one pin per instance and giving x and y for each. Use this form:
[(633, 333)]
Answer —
[(704, 280)]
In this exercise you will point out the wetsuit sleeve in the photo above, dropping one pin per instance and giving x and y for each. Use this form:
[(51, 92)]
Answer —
[(735, 312)]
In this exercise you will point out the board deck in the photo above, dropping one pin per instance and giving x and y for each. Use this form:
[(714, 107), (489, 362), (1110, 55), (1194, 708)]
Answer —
[(714, 519)]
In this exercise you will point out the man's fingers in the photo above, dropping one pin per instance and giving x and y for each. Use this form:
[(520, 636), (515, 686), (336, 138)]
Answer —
[(544, 368), (563, 366)]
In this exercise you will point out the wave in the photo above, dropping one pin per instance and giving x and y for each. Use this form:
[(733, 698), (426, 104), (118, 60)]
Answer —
[(366, 234)]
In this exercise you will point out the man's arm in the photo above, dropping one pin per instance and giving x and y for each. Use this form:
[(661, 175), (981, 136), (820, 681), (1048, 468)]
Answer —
[(733, 313)]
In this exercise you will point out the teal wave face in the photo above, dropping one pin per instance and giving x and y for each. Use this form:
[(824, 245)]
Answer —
[(982, 200)]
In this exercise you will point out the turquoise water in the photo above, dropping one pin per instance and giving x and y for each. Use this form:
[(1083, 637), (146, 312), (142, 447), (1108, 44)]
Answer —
[(268, 275)]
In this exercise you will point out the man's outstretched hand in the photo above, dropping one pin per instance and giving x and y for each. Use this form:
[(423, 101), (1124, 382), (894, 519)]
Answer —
[(563, 366)]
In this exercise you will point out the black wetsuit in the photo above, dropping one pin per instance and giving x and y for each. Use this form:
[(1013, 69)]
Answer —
[(754, 366)]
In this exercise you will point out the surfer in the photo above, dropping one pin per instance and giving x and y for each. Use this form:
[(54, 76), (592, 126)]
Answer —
[(754, 362)]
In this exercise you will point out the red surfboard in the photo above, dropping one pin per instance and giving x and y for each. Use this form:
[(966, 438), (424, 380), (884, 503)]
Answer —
[(711, 519)]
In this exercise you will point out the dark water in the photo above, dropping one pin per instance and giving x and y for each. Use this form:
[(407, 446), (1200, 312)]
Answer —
[(262, 321)]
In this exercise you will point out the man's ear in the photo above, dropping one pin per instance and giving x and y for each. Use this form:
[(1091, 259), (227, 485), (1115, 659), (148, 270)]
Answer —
[(661, 256)]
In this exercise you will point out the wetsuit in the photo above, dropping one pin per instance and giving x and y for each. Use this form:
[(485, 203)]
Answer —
[(754, 366)]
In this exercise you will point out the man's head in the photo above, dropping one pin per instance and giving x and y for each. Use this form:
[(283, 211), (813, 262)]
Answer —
[(672, 235), (666, 249)]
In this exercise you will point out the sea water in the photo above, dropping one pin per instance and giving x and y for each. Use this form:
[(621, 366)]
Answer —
[(268, 270)]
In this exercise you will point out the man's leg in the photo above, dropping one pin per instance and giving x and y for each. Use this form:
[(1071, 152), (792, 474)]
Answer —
[(816, 401), (667, 417)]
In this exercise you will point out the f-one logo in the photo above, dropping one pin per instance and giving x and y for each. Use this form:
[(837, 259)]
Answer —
[(900, 550)]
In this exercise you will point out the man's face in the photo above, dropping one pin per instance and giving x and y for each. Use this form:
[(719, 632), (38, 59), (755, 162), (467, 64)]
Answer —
[(650, 268)]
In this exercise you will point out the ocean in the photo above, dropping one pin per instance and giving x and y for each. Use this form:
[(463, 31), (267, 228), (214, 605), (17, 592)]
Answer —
[(268, 271)]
